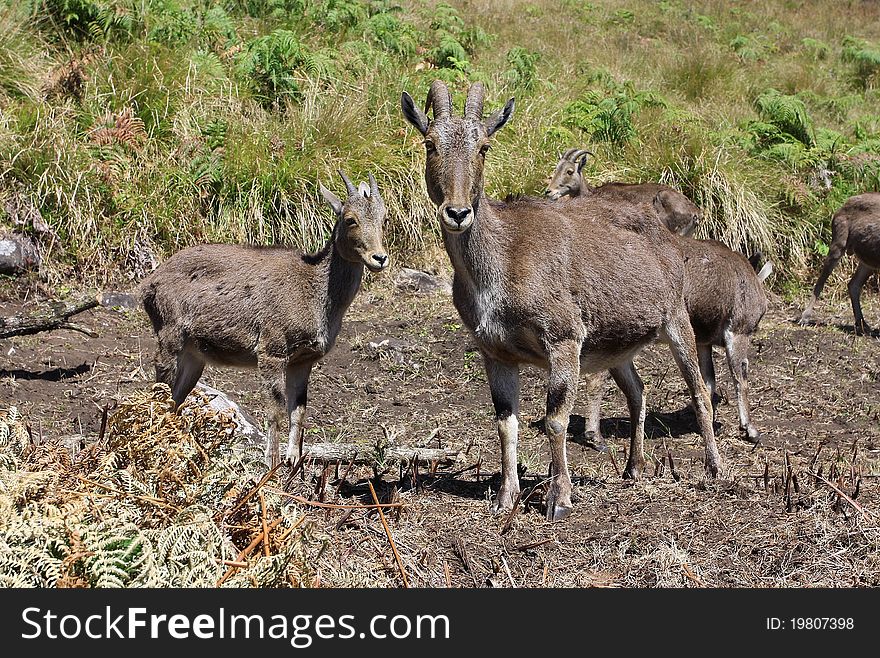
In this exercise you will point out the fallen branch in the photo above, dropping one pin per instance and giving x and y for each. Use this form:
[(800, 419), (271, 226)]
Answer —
[(865, 513), (315, 503), (24, 325), (250, 547), (250, 493), (390, 538), (365, 454)]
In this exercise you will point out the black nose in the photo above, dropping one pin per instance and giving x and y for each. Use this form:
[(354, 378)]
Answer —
[(380, 258), (458, 215)]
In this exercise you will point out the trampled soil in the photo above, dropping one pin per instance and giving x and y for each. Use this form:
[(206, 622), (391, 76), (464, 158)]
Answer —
[(759, 525)]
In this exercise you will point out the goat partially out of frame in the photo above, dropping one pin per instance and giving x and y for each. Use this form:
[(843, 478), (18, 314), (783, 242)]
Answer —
[(677, 212), (565, 291), (275, 309), (855, 229), (726, 301), (724, 295)]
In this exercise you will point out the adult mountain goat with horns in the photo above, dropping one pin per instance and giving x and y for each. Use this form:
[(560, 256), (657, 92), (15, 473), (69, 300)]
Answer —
[(566, 290)]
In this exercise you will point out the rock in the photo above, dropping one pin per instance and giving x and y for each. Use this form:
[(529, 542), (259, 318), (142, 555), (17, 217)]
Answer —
[(18, 254), (422, 282), (246, 424)]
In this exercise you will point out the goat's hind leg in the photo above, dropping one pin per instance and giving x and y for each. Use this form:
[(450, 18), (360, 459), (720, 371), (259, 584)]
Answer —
[(189, 369), (297, 385), (271, 371), (836, 250), (596, 385), (862, 274), (504, 387), (680, 336), (707, 370), (561, 392), (177, 367), (737, 347)]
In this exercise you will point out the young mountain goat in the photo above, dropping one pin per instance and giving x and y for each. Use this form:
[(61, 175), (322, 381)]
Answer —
[(724, 297), (725, 300), (676, 211), (271, 308), (855, 229), (564, 291)]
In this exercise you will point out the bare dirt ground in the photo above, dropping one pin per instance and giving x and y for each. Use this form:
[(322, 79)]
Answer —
[(814, 396)]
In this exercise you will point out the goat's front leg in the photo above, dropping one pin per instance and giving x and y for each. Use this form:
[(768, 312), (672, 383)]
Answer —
[(297, 385), (504, 387), (737, 347), (862, 274), (561, 392), (271, 370), (680, 337)]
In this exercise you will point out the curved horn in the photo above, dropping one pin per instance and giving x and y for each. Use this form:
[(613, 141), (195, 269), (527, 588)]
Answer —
[(439, 99), (473, 107), (574, 155), (374, 188), (349, 186), (569, 154)]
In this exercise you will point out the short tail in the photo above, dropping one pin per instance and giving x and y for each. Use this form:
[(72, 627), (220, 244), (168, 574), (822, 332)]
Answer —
[(764, 272)]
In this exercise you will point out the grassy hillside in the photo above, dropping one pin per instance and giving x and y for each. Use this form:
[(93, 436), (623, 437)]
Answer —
[(137, 127)]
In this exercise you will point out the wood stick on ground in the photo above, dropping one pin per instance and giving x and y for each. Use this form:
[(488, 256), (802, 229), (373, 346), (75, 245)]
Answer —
[(265, 527), (508, 522), (675, 475), (534, 544), (247, 551), (509, 575), (611, 451), (250, 493), (865, 513), (286, 533), (390, 538), (315, 503), (231, 563), (25, 325), (690, 574), (459, 548)]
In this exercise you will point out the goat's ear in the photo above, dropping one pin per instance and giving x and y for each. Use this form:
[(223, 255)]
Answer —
[(332, 199), (499, 118), (582, 161), (659, 201), (413, 113)]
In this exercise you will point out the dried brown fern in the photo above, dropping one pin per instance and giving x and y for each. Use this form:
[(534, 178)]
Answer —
[(123, 128)]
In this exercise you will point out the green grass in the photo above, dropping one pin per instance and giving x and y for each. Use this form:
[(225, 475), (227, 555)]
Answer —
[(140, 127)]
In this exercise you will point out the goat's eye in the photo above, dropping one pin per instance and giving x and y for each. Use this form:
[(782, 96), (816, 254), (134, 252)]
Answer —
[(484, 149), (351, 221), (571, 172), (430, 147)]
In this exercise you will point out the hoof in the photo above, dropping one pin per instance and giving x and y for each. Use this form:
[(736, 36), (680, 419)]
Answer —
[(805, 319), (557, 512), (712, 470), (503, 503), (750, 434), (632, 472), (862, 329)]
